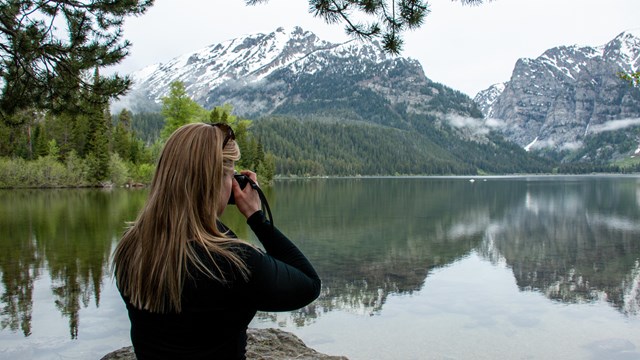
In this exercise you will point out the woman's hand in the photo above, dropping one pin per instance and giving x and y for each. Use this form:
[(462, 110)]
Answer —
[(247, 199)]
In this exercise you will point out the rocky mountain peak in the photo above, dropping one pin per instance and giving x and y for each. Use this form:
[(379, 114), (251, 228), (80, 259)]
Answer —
[(625, 50), (246, 60), (486, 98), (250, 58), (556, 101), (289, 69)]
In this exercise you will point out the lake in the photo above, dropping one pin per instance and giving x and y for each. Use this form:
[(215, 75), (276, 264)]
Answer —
[(522, 267)]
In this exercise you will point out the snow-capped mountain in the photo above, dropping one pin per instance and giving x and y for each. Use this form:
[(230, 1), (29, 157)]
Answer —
[(486, 98), (243, 61), (389, 116), (569, 93), (294, 72)]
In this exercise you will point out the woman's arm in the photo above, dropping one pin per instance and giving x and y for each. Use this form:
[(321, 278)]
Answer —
[(282, 279)]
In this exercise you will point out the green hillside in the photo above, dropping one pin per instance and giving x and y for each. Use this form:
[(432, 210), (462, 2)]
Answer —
[(328, 147)]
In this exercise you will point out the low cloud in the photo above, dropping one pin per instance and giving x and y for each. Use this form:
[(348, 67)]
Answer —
[(552, 144), (463, 121), (571, 146), (544, 144), (614, 125), (495, 124), (477, 126)]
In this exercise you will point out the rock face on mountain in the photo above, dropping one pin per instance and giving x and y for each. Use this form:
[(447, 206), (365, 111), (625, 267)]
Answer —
[(566, 95), (290, 81), (295, 72)]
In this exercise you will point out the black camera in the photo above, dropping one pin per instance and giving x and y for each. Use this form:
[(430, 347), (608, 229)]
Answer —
[(242, 180)]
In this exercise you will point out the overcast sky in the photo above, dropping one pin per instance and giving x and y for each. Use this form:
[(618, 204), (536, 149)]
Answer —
[(466, 48)]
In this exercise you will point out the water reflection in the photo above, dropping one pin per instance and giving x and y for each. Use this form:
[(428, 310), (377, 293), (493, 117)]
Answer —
[(572, 239), (64, 234), (369, 240)]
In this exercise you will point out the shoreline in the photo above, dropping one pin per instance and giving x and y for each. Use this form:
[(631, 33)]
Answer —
[(137, 186)]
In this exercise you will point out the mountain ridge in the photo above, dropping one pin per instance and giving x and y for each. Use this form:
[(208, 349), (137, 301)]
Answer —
[(557, 102), (241, 61), (213, 75), (324, 87)]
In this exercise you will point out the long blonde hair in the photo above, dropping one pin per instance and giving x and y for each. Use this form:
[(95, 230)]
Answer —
[(150, 263)]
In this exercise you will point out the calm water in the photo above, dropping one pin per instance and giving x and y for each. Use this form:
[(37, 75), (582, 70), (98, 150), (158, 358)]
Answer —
[(412, 268)]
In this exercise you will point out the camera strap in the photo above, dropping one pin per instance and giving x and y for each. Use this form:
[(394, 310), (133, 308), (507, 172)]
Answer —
[(263, 200)]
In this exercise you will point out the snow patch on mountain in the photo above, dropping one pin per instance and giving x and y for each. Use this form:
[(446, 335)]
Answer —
[(246, 61), (528, 146), (486, 98), (566, 94)]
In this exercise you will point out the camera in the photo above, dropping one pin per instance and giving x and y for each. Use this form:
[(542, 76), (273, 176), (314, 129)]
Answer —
[(242, 180)]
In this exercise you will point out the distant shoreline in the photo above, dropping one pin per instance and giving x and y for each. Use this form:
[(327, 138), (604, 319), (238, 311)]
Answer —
[(306, 178)]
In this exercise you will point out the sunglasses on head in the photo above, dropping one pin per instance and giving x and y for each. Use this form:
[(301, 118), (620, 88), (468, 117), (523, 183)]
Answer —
[(228, 132)]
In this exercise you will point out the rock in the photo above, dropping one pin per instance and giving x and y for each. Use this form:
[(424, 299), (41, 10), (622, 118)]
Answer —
[(278, 344), (566, 95), (126, 353), (261, 344)]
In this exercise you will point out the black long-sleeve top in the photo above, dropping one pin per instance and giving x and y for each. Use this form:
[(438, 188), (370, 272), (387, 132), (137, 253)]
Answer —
[(214, 318)]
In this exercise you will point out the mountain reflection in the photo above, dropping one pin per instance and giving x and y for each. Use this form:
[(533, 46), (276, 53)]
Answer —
[(574, 240), (370, 240)]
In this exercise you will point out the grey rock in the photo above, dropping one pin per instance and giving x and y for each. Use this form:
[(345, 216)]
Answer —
[(261, 344), (566, 94), (280, 72)]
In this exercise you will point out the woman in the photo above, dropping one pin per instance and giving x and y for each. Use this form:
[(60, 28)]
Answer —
[(191, 288)]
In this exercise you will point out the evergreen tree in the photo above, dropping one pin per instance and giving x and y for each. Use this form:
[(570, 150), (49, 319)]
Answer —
[(216, 115), (42, 67), (40, 141), (98, 146), (125, 118), (53, 151), (122, 137), (18, 135), (99, 121), (222, 114), (267, 167), (120, 142), (260, 156), (80, 129), (252, 152), (147, 126)]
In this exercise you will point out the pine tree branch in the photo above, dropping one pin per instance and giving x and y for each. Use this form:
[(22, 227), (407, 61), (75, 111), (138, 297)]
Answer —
[(41, 69), (396, 17)]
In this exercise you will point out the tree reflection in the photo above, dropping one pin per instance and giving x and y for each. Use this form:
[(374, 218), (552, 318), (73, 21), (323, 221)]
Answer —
[(559, 241), (368, 240), (20, 266), (72, 232), (18, 274), (574, 241)]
